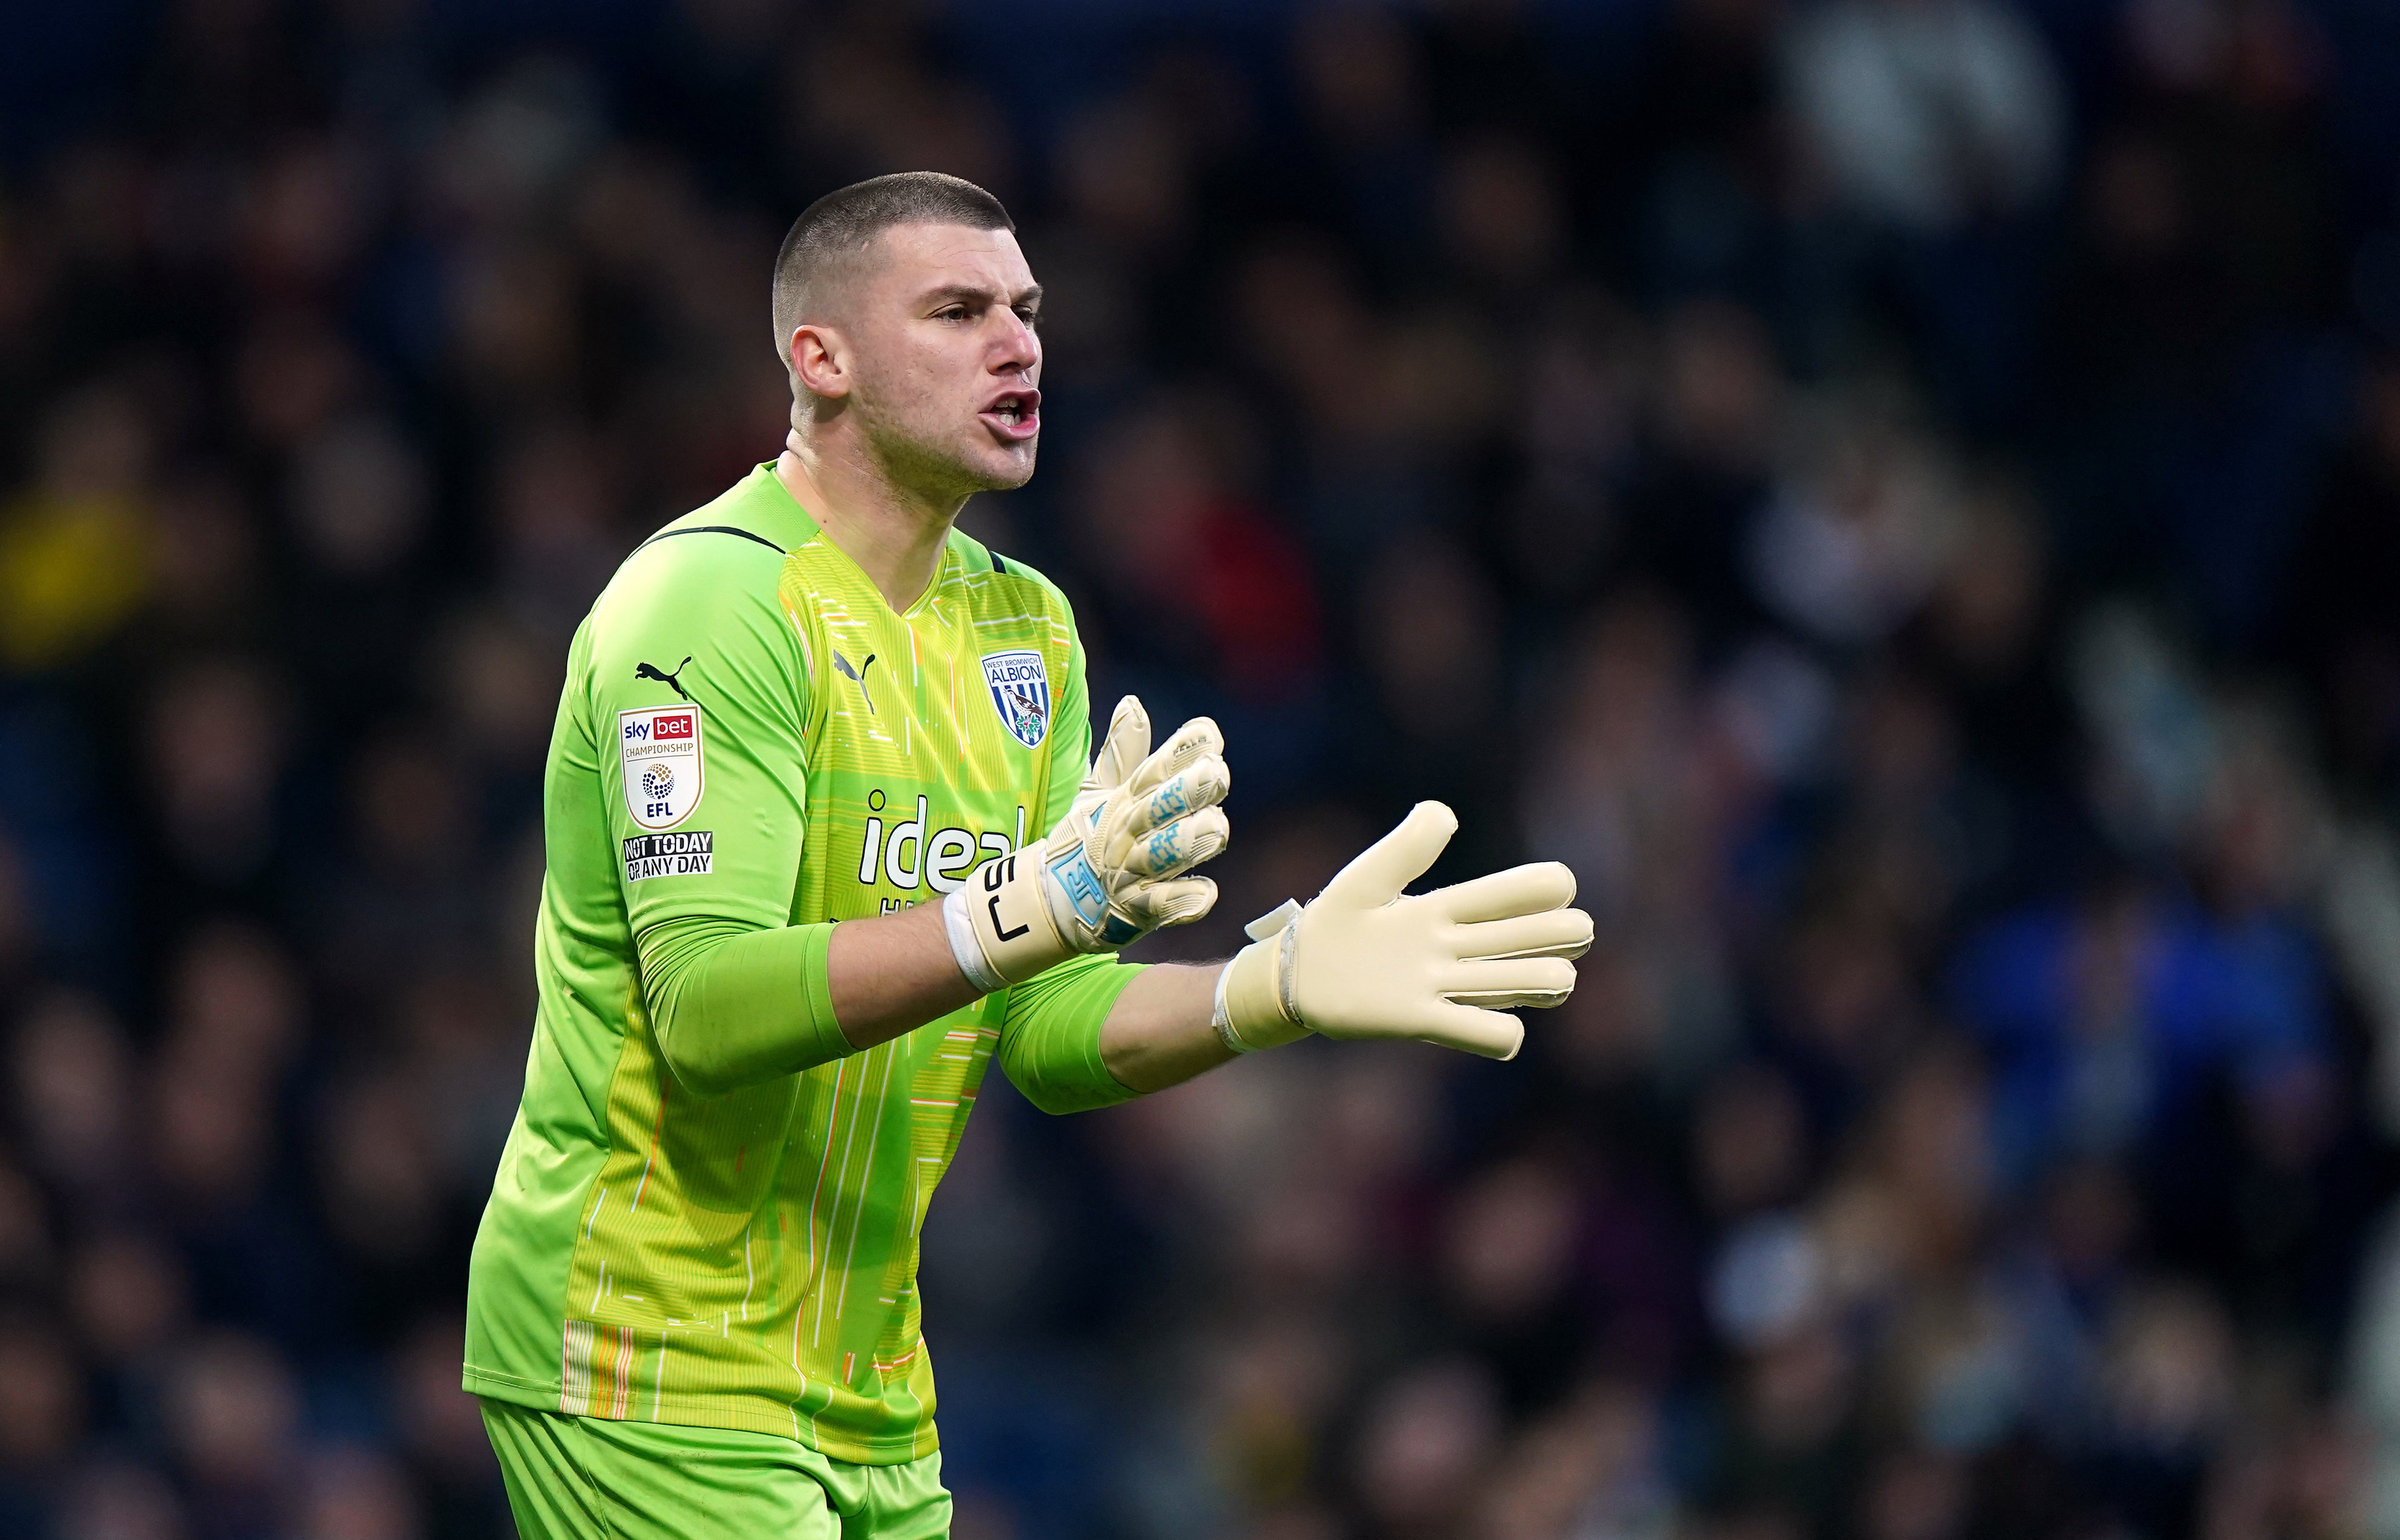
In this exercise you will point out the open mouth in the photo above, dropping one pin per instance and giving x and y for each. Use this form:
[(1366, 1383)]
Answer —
[(1015, 415)]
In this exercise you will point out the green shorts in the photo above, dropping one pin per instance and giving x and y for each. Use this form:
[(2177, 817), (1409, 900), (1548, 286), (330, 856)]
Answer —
[(591, 1479)]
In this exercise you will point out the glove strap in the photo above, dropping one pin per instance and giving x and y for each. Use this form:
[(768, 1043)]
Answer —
[(1287, 970), (1254, 1007), (1274, 921), (1223, 1023), (1011, 934)]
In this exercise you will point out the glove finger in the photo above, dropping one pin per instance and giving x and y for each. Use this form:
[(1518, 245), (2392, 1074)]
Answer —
[(1549, 979), (1176, 902), (1487, 1034), (1179, 846), (1127, 746), (1202, 784), (1530, 888), (1553, 932), (1194, 741), (1377, 874), (1513, 1000)]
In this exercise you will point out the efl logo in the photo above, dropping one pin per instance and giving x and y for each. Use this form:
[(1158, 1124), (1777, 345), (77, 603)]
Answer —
[(661, 764)]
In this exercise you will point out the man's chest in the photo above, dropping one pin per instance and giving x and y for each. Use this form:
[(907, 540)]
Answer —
[(932, 752)]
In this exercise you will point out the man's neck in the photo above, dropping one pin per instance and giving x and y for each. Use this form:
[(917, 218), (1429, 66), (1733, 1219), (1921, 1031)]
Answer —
[(895, 538)]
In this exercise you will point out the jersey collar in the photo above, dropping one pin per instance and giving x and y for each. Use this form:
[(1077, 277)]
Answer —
[(791, 527), (783, 519)]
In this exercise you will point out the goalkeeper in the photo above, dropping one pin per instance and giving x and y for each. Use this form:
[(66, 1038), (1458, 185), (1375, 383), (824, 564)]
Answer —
[(822, 840)]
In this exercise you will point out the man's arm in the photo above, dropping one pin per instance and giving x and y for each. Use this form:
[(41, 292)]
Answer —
[(1159, 1033), (893, 974), (1096, 1031), (735, 1004), (1363, 960)]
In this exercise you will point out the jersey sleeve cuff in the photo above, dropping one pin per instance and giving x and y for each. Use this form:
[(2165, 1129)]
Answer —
[(816, 980)]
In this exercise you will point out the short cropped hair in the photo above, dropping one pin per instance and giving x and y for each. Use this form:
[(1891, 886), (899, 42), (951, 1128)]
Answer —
[(839, 226)]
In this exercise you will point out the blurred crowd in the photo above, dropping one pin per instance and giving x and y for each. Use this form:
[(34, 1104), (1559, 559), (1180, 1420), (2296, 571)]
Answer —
[(1903, 495)]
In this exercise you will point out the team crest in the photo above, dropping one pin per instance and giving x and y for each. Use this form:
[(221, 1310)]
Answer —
[(1020, 692)]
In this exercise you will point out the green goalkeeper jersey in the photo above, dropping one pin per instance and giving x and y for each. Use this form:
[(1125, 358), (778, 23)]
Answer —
[(749, 733)]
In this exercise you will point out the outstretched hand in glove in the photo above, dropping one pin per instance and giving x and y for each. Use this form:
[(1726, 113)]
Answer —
[(1367, 960)]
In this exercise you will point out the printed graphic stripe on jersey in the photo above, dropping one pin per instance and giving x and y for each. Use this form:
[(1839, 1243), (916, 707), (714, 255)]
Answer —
[(711, 529)]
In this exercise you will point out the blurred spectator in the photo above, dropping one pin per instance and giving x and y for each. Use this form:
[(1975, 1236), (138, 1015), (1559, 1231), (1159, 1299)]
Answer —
[(2107, 1021), (73, 1070), (1927, 114), (1426, 1436), (74, 556), (1933, 131), (231, 1411), (218, 739), (1858, 530)]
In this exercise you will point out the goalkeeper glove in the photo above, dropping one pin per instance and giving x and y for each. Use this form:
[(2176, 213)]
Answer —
[(1112, 869), (1366, 960)]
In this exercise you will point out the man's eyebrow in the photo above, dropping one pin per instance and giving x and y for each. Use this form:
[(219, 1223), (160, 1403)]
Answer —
[(954, 294)]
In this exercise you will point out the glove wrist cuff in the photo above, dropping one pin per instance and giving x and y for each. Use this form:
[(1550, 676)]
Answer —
[(1009, 934), (1252, 1010), (964, 948)]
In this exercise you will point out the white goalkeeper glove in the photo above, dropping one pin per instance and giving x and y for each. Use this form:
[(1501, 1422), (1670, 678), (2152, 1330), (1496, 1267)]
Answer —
[(1366, 960), (1112, 869)]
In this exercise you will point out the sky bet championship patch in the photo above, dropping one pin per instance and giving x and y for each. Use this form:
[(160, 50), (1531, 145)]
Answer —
[(685, 855), (1020, 691), (662, 768)]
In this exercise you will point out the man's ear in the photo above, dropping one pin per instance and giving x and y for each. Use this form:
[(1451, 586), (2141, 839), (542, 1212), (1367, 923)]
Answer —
[(820, 361)]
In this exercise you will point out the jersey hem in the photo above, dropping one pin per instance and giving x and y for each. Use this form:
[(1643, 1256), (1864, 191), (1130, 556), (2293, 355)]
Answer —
[(750, 1414)]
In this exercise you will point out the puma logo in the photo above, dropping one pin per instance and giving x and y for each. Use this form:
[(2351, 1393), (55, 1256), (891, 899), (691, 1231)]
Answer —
[(857, 677), (673, 681)]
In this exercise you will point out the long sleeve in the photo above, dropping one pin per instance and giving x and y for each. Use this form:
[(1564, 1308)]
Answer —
[(733, 1005), (1050, 1034)]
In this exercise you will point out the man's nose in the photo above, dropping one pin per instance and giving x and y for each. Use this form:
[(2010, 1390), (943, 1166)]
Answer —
[(1020, 347)]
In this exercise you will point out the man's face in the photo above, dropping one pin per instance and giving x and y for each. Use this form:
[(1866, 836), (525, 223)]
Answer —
[(947, 364)]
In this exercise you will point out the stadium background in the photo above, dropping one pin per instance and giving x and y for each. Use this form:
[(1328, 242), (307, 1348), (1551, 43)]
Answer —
[(1902, 494)]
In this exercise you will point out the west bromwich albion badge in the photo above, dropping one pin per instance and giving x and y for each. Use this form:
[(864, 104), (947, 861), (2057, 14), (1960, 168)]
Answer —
[(660, 745), (1020, 692)]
